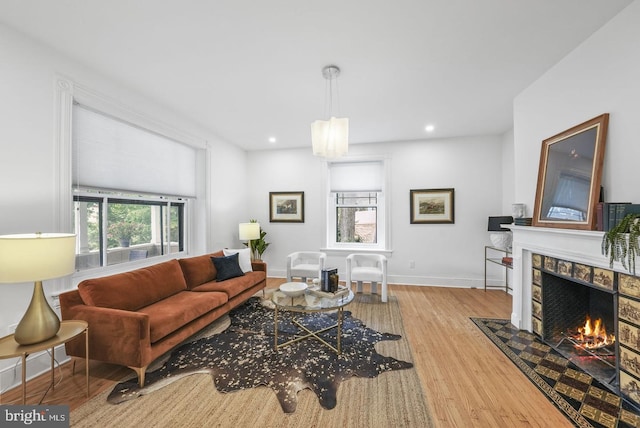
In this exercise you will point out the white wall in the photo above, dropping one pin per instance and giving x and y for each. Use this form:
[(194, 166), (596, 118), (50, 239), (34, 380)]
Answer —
[(228, 201), (286, 171), (508, 187), (600, 76), (28, 194), (444, 254)]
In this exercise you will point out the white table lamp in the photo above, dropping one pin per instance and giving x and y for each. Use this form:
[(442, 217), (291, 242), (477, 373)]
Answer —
[(248, 232), (36, 257)]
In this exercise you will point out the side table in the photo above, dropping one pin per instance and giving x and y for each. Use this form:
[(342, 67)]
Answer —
[(499, 261), (69, 330)]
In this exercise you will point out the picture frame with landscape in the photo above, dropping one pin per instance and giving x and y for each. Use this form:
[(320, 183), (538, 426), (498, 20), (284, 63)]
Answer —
[(286, 207), (432, 206)]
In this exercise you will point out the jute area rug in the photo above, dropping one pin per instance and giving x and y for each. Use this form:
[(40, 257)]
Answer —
[(392, 399)]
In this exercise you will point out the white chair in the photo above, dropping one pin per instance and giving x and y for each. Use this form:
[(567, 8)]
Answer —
[(305, 264), (370, 268)]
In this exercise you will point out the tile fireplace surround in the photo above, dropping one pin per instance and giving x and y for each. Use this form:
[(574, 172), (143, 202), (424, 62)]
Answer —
[(565, 250), (566, 244)]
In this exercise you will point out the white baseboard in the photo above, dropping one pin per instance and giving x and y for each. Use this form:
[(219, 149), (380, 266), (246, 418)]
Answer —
[(37, 364), (436, 281)]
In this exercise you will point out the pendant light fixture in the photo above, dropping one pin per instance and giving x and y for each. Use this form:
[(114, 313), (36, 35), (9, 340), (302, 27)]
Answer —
[(330, 138)]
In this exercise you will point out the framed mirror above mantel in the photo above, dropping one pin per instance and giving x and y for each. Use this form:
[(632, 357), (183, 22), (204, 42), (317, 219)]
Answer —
[(569, 176)]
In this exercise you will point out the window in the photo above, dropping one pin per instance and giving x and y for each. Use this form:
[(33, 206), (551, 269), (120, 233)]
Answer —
[(131, 190), (356, 209), (113, 228), (356, 217)]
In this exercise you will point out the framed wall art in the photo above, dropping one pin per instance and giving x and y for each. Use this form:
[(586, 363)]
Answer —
[(286, 207), (432, 206)]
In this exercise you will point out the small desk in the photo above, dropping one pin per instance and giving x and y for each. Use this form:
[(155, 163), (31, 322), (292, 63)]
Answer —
[(69, 330)]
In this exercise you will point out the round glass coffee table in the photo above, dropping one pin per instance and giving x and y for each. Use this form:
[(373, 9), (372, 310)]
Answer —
[(311, 301)]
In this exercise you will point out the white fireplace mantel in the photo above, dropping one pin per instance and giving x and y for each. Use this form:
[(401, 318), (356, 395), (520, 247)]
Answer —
[(566, 244)]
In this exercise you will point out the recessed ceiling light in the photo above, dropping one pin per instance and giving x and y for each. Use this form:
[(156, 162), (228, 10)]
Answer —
[(272, 139), (429, 128)]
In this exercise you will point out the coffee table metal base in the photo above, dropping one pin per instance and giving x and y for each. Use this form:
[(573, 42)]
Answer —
[(310, 333)]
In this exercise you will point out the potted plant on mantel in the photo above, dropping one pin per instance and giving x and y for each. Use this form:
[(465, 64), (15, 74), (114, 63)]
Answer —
[(620, 243), (257, 246)]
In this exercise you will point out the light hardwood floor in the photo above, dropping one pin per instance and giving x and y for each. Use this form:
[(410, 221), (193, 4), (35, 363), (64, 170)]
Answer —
[(467, 381)]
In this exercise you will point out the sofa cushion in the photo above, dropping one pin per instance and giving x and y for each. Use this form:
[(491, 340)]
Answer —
[(135, 289), (199, 269), (176, 311), (227, 267), (234, 286), (244, 258)]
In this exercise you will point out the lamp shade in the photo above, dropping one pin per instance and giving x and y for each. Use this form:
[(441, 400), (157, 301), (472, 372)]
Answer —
[(36, 256), (330, 138), (249, 231), (495, 222)]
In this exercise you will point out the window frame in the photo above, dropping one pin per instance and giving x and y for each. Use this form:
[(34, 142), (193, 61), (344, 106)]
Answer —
[(339, 205), (383, 246), (67, 91), (104, 198)]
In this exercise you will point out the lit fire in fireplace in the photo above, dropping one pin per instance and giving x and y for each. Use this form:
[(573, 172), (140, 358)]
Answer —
[(594, 335)]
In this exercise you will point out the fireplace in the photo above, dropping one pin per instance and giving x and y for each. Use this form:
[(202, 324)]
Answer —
[(578, 319), (548, 261)]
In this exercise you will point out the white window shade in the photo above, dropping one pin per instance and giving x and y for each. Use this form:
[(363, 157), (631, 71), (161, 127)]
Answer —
[(356, 176), (112, 154)]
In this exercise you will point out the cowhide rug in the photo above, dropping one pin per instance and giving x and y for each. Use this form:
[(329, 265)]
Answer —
[(242, 357)]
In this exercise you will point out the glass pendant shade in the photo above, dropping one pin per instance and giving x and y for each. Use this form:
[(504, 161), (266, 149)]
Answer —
[(330, 138)]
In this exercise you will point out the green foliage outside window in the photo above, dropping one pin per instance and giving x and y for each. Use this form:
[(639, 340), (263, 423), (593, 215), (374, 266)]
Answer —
[(128, 221)]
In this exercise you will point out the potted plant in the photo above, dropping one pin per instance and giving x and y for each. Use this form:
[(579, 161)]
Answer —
[(257, 246), (620, 243), (123, 231)]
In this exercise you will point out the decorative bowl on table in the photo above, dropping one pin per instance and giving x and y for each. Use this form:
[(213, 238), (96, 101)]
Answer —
[(293, 289)]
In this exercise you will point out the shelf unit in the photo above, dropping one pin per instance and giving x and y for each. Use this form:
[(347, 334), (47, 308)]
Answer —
[(491, 257)]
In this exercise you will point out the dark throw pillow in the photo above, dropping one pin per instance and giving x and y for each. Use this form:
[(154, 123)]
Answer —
[(227, 267)]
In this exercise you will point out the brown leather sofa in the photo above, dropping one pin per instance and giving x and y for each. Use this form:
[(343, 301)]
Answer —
[(134, 317)]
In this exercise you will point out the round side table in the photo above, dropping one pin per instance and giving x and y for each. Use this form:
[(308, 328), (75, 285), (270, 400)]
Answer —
[(69, 330)]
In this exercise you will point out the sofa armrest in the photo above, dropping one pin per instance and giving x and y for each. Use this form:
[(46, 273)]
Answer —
[(259, 265), (115, 336)]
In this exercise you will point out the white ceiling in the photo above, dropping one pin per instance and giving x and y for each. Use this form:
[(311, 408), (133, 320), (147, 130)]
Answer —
[(248, 70)]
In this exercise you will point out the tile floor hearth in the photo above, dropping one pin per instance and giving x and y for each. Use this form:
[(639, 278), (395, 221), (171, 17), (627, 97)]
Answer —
[(582, 398)]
